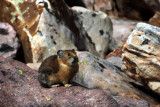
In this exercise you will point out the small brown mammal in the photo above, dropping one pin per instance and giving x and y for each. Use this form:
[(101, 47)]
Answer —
[(58, 69)]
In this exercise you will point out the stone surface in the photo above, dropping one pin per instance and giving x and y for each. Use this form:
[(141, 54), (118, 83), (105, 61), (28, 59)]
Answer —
[(98, 73), (40, 37), (116, 61), (155, 20), (122, 28), (115, 57), (141, 55), (9, 43), (99, 28), (19, 87)]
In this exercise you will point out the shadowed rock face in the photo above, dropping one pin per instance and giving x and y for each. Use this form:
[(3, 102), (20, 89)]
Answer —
[(19, 87)]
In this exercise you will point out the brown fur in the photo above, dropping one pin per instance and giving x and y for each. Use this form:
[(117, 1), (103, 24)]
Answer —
[(58, 69)]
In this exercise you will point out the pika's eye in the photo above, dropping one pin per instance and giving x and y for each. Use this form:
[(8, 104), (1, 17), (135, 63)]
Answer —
[(69, 54)]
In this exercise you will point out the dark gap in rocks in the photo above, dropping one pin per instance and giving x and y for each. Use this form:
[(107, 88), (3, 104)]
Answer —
[(101, 65), (3, 31), (147, 91), (1, 81), (6, 48), (20, 54), (72, 3), (145, 42), (4, 73)]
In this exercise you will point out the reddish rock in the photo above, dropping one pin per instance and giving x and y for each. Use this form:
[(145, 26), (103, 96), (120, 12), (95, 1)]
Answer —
[(9, 43), (117, 53), (19, 87), (155, 20)]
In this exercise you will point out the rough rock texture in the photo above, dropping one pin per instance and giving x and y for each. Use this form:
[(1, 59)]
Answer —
[(19, 87), (115, 57), (99, 28), (141, 55), (9, 43), (155, 20), (98, 73), (122, 28), (45, 27)]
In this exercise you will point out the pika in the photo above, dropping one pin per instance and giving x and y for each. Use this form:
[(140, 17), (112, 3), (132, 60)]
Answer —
[(58, 69)]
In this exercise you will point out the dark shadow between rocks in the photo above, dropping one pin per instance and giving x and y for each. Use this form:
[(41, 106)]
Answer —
[(20, 54), (147, 91), (72, 3)]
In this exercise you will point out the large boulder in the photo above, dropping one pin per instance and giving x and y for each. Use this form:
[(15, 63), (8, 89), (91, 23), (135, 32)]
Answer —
[(44, 27), (141, 56), (9, 42), (99, 28), (19, 87)]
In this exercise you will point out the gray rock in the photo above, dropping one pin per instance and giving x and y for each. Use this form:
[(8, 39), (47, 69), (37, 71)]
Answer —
[(117, 61), (141, 55), (19, 87), (99, 73), (98, 27), (122, 28), (9, 43)]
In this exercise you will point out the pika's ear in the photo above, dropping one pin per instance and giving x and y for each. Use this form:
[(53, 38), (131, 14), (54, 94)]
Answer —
[(60, 53)]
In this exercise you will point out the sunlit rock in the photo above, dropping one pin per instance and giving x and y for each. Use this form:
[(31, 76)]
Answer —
[(141, 56)]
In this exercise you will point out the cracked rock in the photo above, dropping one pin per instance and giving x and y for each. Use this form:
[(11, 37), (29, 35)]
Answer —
[(141, 56)]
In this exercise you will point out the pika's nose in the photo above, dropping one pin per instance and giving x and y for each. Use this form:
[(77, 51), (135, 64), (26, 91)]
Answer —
[(75, 59)]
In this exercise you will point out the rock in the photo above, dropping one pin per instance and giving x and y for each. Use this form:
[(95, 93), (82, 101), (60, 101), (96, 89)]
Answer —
[(141, 56), (99, 5), (116, 61), (154, 4), (98, 73), (122, 28), (133, 9), (19, 87), (99, 28), (117, 53), (41, 38), (155, 20), (9, 43), (115, 57)]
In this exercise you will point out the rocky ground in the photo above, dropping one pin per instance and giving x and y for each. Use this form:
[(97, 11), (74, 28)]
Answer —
[(117, 43)]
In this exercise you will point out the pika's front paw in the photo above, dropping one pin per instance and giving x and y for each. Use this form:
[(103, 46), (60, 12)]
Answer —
[(56, 85), (67, 85)]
